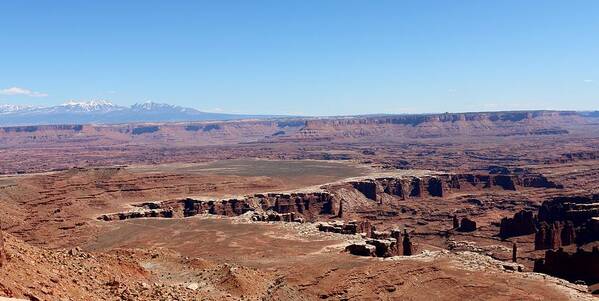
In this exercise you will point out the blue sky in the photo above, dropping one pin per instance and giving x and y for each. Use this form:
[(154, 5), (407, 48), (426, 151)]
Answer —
[(304, 57)]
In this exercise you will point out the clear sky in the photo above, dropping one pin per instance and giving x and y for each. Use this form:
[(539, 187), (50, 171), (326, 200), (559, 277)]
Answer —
[(304, 57)]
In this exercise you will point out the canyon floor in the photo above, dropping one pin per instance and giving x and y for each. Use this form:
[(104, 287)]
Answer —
[(94, 217)]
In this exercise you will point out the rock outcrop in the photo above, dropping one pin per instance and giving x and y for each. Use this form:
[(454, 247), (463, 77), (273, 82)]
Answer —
[(272, 216), (523, 223), (438, 125), (306, 205), (361, 249), (578, 209), (375, 248), (232, 207), (384, 244), (467, 225), (581, 265), (367, 188), (589, 231), (311, 206), (408, 248), (384, 247), (351, 227), (567, 220), (561, 221), (547, 237), (441, 185), (164, 213)]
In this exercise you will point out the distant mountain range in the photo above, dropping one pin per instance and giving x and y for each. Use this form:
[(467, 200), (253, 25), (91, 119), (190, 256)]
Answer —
[(105, 112)]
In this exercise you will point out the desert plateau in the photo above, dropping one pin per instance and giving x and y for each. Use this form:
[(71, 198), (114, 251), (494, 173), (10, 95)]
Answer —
[(477, 206)]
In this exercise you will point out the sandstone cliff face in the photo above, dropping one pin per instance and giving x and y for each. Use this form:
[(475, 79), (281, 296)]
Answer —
[(440, 125), (408, 247), (523, 223), (230, 132), (578, 209), (166, 134), (442, 185), (561, 221), (312, 206), (567, 220), (367, 188), (575, 156), (589, 231), (164, 213), (581, 265), (554, 235), (308, 205)]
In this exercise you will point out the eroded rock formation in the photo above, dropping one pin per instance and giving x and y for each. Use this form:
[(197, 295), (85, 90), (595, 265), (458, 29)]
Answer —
[(164, 213), (272, 216), (384, 247), (308, 205), (408, 248), (523, 223), (467, 225), (367, 188), (581, 265), (567, 220), (312, 205), (441, 185), (561, 221), (351, 227), (383, 244), (361, 249)]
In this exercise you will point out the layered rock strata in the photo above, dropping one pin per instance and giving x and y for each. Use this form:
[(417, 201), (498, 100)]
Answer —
[(441, 185)]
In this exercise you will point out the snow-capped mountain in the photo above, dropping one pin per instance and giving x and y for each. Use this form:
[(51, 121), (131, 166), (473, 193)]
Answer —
[(102, 111), (8, 108), (89, 106)]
